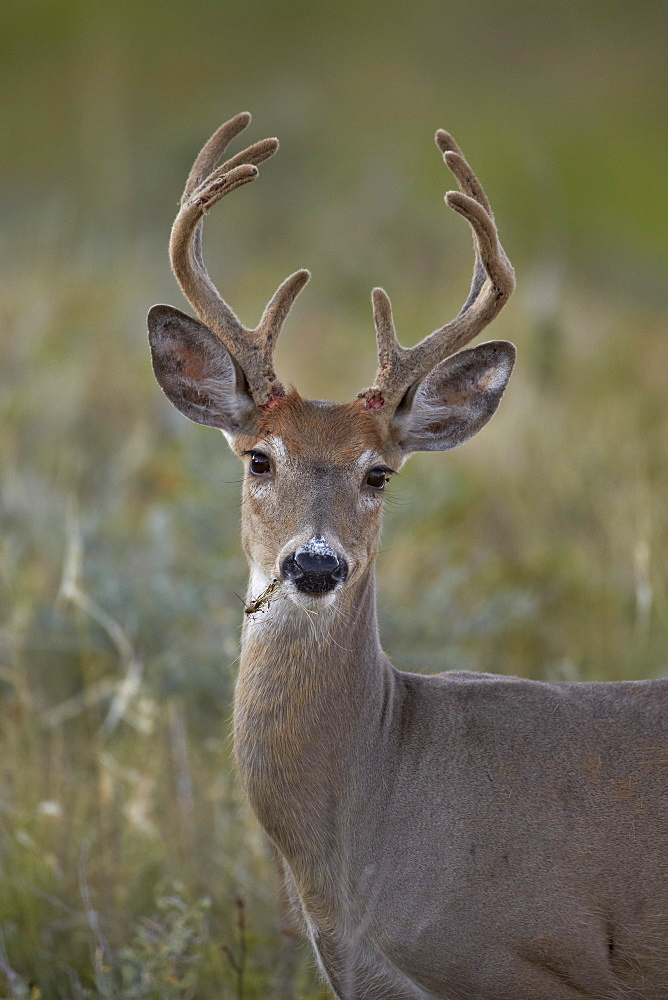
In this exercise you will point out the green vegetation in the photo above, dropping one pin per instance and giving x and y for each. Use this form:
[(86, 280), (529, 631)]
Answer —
[(539, 548)]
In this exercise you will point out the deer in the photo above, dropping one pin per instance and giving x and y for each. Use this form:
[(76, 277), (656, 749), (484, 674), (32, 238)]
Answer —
[(461, 836)]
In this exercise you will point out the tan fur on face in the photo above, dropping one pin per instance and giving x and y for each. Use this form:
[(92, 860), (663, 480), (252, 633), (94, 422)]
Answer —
[(337, 433), (317, 483)]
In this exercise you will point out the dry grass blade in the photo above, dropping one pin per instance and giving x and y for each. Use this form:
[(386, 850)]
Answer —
[(124, 691)]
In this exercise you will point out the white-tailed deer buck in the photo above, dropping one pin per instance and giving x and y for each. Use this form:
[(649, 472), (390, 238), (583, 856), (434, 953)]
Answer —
[(461, 836)]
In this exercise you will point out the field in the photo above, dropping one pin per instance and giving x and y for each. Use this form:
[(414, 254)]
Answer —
[(130, 865)]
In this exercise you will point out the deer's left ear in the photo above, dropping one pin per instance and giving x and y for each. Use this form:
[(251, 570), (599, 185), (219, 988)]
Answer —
[(456, 399)]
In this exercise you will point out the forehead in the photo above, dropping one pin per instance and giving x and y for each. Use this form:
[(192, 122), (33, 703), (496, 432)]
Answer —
[(334, 433)]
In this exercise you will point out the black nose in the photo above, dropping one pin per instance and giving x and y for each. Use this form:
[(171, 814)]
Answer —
[(315, 568)]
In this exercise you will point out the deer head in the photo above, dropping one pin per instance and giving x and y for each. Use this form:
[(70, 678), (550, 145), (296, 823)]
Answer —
[(315, 471)]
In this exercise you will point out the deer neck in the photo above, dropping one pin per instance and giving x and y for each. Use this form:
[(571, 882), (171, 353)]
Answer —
[(313, 690)]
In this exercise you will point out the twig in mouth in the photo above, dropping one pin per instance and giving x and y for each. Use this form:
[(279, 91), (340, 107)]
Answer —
[(264, 598)]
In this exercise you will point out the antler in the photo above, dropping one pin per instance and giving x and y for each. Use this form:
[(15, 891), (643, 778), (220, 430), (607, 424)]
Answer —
[(251, 349), (493, 281)]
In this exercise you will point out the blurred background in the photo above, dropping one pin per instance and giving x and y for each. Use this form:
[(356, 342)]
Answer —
[(130, 864)]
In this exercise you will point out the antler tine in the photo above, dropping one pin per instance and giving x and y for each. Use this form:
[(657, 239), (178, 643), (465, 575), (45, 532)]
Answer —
[(212, 151), (492, 285), (459, 166), (280, 304), (252, 349), (390, 352)]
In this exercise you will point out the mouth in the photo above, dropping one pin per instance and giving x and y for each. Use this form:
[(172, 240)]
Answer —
[(311, 602)]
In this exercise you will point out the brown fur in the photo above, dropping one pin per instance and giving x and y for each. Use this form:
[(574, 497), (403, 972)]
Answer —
[(191, 363), (335, 432)]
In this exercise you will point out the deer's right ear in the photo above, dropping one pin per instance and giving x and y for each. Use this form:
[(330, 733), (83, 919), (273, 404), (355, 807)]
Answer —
[(196, 371)]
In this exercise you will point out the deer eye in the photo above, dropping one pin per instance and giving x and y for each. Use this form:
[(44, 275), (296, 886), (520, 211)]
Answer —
[(377, 479), (259, 463)]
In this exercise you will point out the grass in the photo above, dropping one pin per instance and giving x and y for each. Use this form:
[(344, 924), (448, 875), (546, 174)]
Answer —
[(538, 548)]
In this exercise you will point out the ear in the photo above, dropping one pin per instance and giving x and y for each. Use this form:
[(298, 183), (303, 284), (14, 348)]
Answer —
[(196, 371), (456, 399)]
